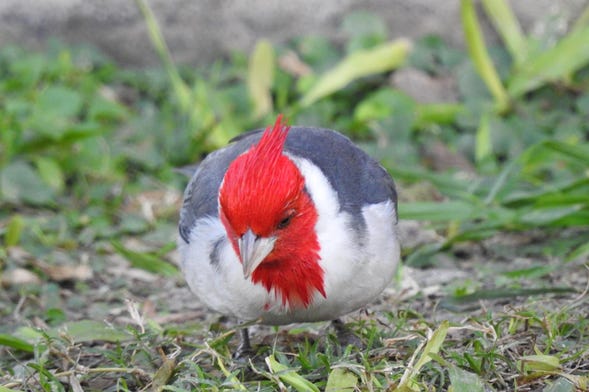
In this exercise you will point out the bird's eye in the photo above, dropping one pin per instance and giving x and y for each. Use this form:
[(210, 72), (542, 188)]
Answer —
[(285, 221)]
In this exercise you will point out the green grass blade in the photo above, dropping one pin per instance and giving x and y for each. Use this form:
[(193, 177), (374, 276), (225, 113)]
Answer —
[(145, 261), (382, 58), (508, 28), (579, 152), (289, 376), (260, 76), (579, 252), (236, 385), (582, 21), (408, 380), (4, 389), (433, 345), (504, 178), (569, 55), (480, 56), (181, 90), (483, 144), (16, 343), (436, 212), (453, 302), (14, 230), (538, 217)]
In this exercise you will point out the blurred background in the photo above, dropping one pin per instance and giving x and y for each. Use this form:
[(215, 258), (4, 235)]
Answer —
[(200, 32), (478, 109)]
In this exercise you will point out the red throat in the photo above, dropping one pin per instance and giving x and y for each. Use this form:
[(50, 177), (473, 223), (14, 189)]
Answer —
[(260, 188), (292, 270)]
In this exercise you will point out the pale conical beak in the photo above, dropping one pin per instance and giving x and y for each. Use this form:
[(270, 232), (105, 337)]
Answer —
[(253, 250)]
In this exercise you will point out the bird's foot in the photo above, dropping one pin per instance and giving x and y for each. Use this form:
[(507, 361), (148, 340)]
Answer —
[(345, 336)]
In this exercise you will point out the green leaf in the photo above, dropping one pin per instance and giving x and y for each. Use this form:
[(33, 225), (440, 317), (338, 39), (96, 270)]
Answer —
[(20, 183), (146, 261), (102, 109), (78, 331), (508, 27), (378, 105), (539, 364), (437, 114), (392, 106), (569, 55), (382, 58), (480, 56), (16, 343), (163, 375), (13, 231), (560, 385), (28, 69), (91, 330), (260, 76), (51, 173), (55, 111), (341, 379), (289, 376), (461, 380)]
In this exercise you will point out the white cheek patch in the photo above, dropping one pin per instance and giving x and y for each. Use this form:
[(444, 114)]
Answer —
[(322, 193), (334, 233)]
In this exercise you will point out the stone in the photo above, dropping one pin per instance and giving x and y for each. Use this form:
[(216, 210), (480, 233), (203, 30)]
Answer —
[(201, 31)]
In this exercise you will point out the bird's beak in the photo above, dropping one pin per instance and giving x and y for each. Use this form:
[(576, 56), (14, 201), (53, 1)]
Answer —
[(253, 250)]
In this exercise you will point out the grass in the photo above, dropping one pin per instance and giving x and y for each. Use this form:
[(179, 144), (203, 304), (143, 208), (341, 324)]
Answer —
[(493, 295)]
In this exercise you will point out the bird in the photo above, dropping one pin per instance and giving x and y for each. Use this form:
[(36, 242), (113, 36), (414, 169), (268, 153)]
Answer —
[(288, 224)]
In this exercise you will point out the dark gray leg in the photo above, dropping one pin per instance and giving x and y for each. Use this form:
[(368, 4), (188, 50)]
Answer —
[(345, 336), (244, 349)]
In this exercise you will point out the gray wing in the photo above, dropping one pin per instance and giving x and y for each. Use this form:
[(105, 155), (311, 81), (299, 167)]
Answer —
[(358, 178), (201, 194)]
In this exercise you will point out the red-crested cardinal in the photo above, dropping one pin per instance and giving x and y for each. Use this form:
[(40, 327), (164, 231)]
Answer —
[(290, 224)]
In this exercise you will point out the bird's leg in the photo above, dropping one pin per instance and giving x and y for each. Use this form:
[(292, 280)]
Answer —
[(244, 349), (345, 335)]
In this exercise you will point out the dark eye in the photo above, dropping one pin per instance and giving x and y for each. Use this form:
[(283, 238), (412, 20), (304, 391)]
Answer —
[(286, 221)]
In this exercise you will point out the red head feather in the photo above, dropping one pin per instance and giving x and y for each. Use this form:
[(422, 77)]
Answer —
[(262, 189)]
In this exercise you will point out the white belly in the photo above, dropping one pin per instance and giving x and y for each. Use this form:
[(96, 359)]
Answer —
[(355, 272)]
